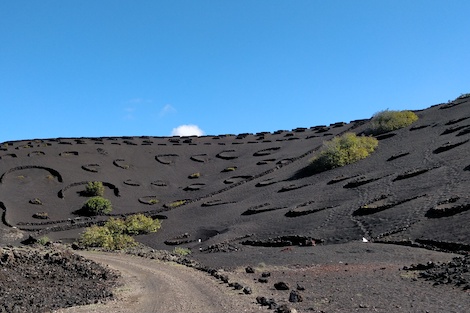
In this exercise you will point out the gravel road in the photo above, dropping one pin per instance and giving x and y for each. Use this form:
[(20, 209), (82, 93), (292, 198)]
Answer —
[(154, 286)]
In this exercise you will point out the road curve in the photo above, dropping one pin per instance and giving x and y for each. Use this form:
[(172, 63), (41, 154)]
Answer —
[(154, 286)]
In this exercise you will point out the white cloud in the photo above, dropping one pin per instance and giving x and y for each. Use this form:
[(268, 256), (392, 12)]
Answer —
[(187, 130), (167, 109)]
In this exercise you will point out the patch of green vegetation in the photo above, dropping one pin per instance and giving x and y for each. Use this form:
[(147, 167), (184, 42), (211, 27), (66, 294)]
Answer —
[(41, 215), (94, 189), (116, 225), (116, 234), (386, 121), (182, 251), (194, 175), (175, 204), (344, 150), (44, 240), (97, 205), (97, 236), (229, 169), (36, 201), (140, 224), (153, 201)]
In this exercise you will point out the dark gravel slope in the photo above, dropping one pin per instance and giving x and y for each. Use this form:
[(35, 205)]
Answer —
[(248, 197)]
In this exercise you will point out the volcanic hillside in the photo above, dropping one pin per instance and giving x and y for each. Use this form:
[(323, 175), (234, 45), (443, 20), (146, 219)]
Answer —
[(232, 192)]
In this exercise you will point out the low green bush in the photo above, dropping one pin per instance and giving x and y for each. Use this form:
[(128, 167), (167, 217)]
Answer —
[(116, 225), (103, 237), (36, 201), (153, 201), (135, 224), (97, 236), (140, 224), (44, 240), (116, 234), (41, 215), (123, 241), (97, 205), (181, 251), (229, 169), (94, 189), (386, 121), (343, 150), (175, 204), (194, 175)]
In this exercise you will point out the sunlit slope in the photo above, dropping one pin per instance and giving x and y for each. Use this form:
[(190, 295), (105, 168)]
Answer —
[(252, 189)]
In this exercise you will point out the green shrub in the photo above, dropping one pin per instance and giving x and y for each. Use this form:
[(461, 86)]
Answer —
[(153, 201), (229, 169), (175, 204), (41, 215), (133, 225), (94, 189), (97, 205), (194, 175), (386, 121), (102, 237), (123, 241), (343, 150), (116, 225), (116, 233), (140, 224), (36, 201), (44, 240), (181, 251), (96, 236)]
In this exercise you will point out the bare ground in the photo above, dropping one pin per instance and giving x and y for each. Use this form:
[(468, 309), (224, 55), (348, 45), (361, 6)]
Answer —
[(351, 277), (154, 286)]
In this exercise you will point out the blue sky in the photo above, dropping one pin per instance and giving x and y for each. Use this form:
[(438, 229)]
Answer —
[(132, 68)]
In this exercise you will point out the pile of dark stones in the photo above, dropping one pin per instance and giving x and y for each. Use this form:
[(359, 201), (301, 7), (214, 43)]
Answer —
[(455, 272), (43, 279)]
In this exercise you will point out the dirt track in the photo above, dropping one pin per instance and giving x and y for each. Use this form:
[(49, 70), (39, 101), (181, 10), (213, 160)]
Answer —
[(366, 280), (153, 286)]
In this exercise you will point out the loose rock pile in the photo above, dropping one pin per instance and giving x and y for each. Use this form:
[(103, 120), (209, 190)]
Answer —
[(455, 272), (44, 279)]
